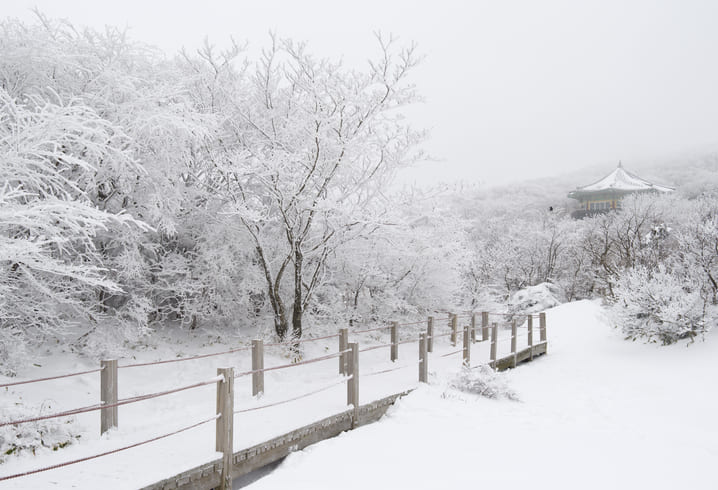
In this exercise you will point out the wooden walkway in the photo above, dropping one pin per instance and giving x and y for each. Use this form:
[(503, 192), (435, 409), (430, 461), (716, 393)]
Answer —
[(208, 476)]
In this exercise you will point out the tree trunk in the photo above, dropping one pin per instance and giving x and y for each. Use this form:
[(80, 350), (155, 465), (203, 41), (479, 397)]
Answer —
[(280, 317), (297, 311)]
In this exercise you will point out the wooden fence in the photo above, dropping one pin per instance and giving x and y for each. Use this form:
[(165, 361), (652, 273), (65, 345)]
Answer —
[(220, 473)]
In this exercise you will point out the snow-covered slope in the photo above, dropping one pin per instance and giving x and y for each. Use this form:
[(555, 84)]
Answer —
[(597, 412)]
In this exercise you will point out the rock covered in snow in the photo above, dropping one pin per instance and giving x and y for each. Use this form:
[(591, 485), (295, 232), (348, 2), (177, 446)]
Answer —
[(534, 299)]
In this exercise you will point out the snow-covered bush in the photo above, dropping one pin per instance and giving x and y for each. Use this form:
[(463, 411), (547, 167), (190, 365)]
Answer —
[(483, 381), (51, 434), (535, 299), (659, 306)]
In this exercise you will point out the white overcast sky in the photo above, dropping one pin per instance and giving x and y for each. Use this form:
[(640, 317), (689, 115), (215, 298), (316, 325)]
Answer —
[(514, 89)]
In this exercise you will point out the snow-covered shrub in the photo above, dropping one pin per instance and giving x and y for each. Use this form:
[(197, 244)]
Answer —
[(534, 299), (659, 305), (51, 434), (12, 350), (483, 381)]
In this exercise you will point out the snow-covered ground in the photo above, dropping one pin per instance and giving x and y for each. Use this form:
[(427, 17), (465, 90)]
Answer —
[(596, 412)]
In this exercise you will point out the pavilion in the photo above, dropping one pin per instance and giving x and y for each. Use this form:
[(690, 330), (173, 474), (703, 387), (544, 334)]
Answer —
[(606, 194)]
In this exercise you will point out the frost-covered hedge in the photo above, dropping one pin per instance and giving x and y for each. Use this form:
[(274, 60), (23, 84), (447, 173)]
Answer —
[(659, 306)]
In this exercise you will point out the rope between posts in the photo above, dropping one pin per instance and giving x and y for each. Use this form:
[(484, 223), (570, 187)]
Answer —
[(300, 363), (274, 404), (389, 370), (371, 329), (411, 323), (300, 341), (534, 315), (374, 347), (140, 398), (452, 353), (67, 413), (100, 406), (26, 473), (411, 341), (201, 356), (50, 378)]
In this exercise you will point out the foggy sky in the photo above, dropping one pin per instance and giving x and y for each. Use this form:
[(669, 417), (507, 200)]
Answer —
[(514, 89)]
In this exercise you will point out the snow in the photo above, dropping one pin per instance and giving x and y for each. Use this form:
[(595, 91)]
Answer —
[(535, 299), (596, 412), (622, 180)]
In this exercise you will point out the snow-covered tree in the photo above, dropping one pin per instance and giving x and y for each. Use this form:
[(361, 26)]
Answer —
[(306, 148), (49, 261)]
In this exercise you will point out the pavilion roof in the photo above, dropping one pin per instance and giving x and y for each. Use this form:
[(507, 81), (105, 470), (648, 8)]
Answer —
[(622, 181)]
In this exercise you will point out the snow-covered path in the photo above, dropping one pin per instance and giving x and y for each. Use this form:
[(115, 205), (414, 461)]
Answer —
[(597, 412)]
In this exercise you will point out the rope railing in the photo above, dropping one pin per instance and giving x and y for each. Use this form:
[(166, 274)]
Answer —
[(287, 400), (100, 406), (149, 396), (374, 347), (109, 376), (66, 413), (410, 341), (300, 341), (117, 450), (384, 371), (409, 324), (181, 359), (15, 383), (385, 327), (526, 315), (294, 364), (452, 353)]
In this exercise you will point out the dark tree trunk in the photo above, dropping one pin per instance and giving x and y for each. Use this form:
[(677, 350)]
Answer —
[(298, 309)]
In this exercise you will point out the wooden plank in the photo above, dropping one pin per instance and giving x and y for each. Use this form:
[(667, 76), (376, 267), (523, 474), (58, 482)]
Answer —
[(467, 347), (453, 323), (257, 366), (484, 326), (225, 424), (430, 334), (423, 359), (524, 355), (473, 328), (343, 346), (108, 395), (255, 457), (394, 341)]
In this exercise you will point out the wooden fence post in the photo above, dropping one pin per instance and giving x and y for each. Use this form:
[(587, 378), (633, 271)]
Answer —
[(430, 334), (494, 334), (225, 424), (257, 367), (473, 328), (394, 341), (530, 324), (513, 342), (343, 345), (467, 347), (423, 359), (353, 381), (108, 395), (454, 322), (542, 326), (484, 325)]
